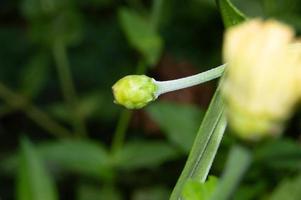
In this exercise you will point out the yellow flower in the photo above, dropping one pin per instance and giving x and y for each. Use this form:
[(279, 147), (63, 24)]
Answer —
[(134, 91), (260, 87), (295, 49)]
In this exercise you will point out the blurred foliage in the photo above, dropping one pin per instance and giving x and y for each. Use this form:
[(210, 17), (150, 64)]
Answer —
[(169, 114), (33, 181), (106, 40), (194, 190)]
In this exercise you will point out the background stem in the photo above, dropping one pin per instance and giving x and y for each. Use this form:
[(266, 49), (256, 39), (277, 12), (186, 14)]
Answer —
[(41, 118), (121, 128), (125, 115), (67, 86)]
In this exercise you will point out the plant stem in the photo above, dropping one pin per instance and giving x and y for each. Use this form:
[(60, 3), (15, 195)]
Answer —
[(67, 86), (41, 118), (124, 118), (168, 86), (125, 115), (204, 147), (156, 13), (237, 164), (120, 131)]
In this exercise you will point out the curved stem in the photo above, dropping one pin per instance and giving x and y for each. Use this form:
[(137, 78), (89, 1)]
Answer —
[(68, 89), (172, 85), (16, 101), (125, 115)]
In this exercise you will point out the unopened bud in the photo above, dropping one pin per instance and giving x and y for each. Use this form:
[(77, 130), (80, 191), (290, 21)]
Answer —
[(134, 91)]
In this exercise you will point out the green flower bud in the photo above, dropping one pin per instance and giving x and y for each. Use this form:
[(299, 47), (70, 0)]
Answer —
[(134, 91)]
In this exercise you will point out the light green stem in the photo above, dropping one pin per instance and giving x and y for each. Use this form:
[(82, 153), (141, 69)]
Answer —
[(41, 118), (125, 115), (67, 86), (168, 86), (121, 128)]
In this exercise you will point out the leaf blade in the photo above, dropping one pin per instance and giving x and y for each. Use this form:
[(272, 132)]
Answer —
[(141, 35), (230, 14), (34, 183), (144, 154), (209, 135)]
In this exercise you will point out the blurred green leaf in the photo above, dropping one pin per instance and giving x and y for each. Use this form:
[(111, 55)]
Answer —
[(34, 183), (179, 122), (52, 21), (194, 190), (141, 35), (65, 28), (279, 7), (250, 191), (84, 157), (94, 192), (151, 193), (279, 154), (34, 9), (34, 75), (91, 105), (230, 14), (96, 3), (288, 190), (80, 156), (144, 154), (237, 164)]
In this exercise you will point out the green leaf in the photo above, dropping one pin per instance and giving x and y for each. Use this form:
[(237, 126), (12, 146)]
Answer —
[(52, 21), (144, 154), (34, 75), (83, 157), (93, 105), (230, 14), (34, 183), (250, 191), (204, 147), (79, 156), (194, 190), (288, 190), (151, 193), (141, 35), (95, 192), (237, 164), (279, 154), (179, 122)]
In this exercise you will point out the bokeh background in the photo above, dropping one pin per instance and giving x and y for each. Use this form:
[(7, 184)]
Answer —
[(58, 61)]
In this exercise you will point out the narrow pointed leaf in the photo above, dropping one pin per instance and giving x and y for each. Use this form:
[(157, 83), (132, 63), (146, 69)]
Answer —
[(230, 14), (141, 35), (34, 183), (205, 146)]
